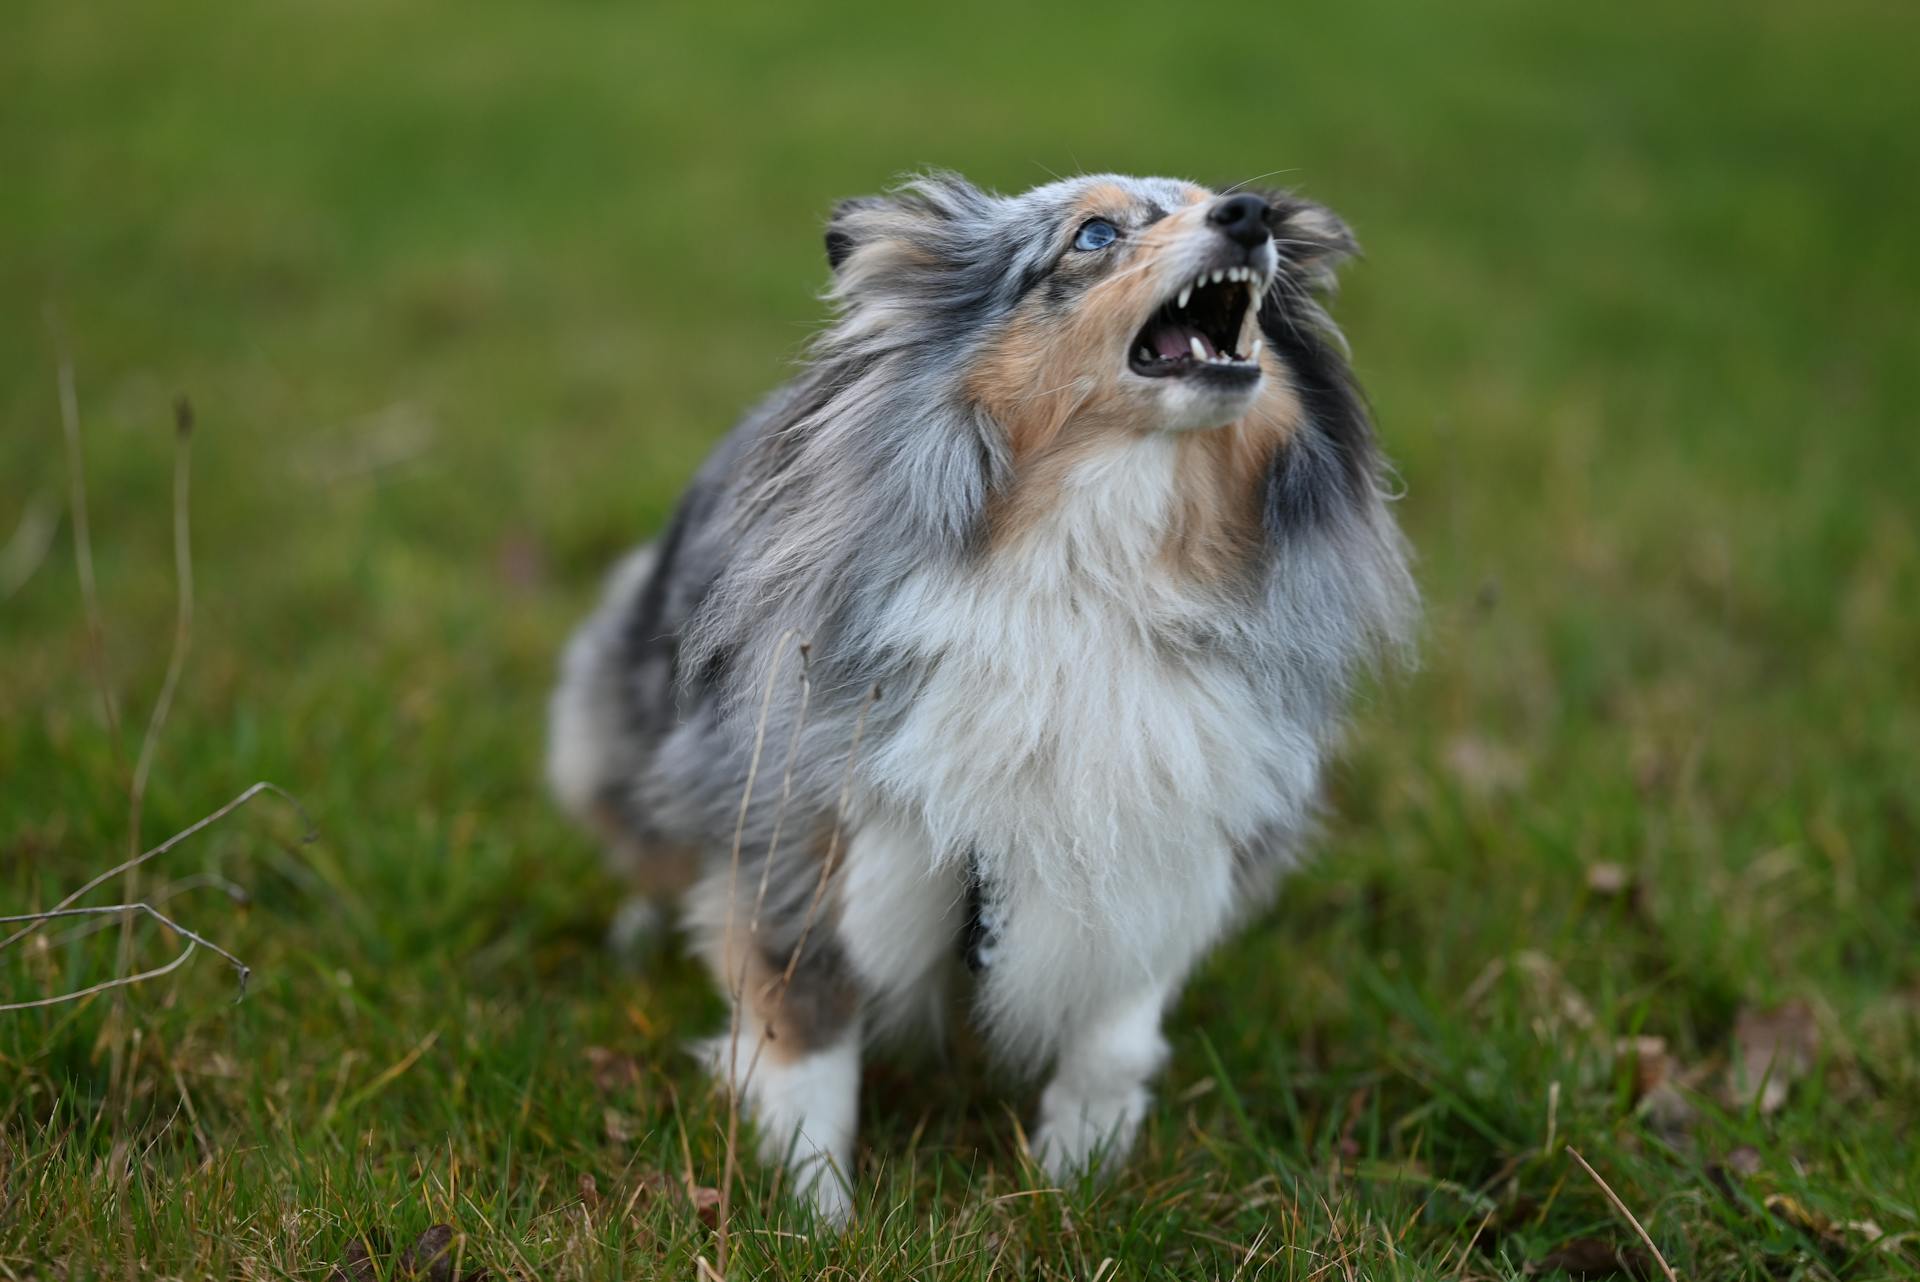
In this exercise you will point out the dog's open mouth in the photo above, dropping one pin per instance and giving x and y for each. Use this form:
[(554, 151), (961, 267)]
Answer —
[(1208, 327)]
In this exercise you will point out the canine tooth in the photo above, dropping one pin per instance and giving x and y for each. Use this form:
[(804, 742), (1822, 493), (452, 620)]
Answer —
[(1185, 294), (1258, 345), (1146, 354), (1199, 352)]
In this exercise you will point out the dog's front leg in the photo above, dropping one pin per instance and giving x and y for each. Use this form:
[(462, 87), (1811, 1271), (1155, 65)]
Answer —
[(804, 1108), (1094, 1103), (791, 1055)]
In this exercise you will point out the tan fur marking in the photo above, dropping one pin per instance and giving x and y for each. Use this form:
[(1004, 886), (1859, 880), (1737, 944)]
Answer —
[(1107, 198), (1058, 387), (1220, 476), (804, 1011)]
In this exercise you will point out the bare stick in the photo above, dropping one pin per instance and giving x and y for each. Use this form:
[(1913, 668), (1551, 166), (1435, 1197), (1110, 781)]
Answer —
[(39, 919), (1621, 1207), (240, 967)]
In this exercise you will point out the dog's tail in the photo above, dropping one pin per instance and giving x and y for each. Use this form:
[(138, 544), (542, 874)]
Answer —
[(592, 753)]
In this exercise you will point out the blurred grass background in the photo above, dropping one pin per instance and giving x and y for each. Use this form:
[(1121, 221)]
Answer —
[(462, 292)]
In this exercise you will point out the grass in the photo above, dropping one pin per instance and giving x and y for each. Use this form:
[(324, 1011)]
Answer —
[(462, 292)]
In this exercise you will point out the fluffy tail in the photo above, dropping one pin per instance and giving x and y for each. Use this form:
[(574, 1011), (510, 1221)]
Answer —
[(591, 755)]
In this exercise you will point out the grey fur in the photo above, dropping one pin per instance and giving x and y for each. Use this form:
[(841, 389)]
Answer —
[(874, 464)]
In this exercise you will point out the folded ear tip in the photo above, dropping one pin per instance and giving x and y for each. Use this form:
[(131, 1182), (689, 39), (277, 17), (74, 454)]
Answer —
[(839, 245), (840, 241)]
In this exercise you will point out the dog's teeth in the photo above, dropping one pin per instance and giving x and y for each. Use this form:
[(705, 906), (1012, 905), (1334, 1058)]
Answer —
[(1199, 351), (1185, 294), (1146, 354), (1258, 345)]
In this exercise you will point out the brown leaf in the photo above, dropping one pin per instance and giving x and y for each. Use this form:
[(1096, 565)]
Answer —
[(1652, 1066), (430, 1257), (1771, 1051), (613, 1073), (706, 1204), (1592, 1257), (1796, 1213), (590, 1192), (356, 1264)]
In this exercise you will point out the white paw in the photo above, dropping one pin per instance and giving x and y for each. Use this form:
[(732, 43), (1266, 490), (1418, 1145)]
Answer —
[(827, 1193), (1080, 1134)]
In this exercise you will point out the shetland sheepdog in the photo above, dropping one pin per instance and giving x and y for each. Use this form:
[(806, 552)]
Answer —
[(998, 652)]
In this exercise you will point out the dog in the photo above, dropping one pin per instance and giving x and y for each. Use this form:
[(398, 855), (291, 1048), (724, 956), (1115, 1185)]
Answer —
[(1001, 648)]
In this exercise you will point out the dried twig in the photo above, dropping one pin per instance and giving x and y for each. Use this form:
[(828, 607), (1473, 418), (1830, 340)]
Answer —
[(195, 881), (122, 981), (1621, 1207), (33, 921), (36, 920)]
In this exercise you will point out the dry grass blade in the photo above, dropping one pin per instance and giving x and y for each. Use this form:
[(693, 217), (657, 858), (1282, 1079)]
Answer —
[(828, 864), (176, 664), (82, 530), (32, 539), (1621, 1207), (183, 610), (736, 985), (786, 789)]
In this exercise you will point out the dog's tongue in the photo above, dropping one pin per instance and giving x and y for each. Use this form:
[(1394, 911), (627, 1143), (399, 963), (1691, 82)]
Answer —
[(1171, 342)]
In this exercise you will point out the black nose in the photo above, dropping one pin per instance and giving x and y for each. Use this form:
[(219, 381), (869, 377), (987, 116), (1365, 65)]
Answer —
[(1243, 217)]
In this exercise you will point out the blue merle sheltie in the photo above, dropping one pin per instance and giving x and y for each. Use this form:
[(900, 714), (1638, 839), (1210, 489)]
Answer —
[(999, 651)]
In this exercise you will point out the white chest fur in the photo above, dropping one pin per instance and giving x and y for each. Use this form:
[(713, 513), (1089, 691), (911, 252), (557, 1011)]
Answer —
[(1101, 777)]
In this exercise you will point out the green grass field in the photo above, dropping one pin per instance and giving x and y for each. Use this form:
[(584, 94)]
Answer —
[(462, 292)]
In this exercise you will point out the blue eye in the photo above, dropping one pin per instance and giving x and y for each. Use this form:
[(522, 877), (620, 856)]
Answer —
[(1096, 233)]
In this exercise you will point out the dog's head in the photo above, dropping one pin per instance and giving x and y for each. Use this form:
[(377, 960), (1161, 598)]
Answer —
[(1127, 301)]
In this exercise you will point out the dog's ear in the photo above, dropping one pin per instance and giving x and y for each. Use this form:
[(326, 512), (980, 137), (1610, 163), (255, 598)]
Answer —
[(843, 228), (1311, 239), (916, 225)]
